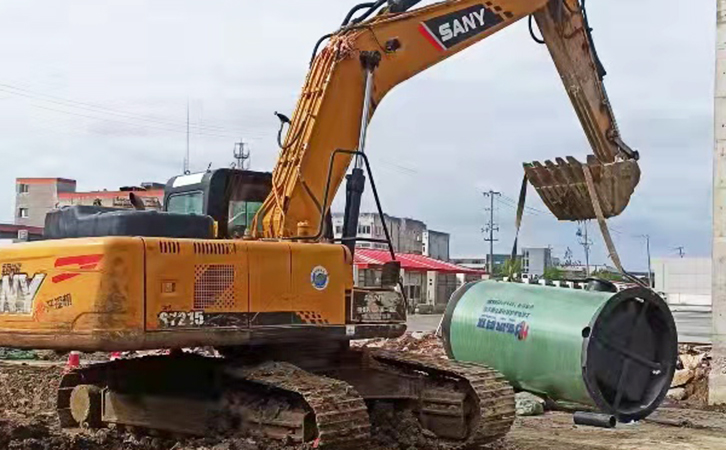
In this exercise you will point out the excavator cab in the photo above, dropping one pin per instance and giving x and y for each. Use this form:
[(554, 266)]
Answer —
[(213, 204), (230, 196)]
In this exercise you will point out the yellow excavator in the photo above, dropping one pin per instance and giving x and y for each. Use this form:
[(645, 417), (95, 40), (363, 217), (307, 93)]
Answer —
[(245, 262)]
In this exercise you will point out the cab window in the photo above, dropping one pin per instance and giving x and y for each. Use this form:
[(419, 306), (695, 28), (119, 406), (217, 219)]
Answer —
[(186, 203), (241, 214)]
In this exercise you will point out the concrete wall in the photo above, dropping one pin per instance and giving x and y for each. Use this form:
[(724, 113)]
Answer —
[(439, 287), (406, 234), (683, 280), (369, 226), (436, 245), (113, 199), (37, 196), (410, 236)]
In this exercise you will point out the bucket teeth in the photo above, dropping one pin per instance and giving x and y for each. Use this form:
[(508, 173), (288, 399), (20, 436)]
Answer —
[(562, 187)]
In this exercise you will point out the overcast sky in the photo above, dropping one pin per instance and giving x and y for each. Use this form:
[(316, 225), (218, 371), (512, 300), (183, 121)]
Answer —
[(436, 142)]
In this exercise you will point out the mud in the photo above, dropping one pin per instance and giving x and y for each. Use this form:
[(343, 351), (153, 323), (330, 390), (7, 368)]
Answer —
[(28, 421)]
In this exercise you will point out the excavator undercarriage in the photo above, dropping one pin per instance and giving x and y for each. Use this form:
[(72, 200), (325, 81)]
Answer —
[(321, 398)]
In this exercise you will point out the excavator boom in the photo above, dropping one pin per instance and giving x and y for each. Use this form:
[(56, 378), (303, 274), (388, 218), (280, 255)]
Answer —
[(328, 114)]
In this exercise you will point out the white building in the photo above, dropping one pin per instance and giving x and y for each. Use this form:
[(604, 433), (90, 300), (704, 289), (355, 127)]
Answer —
[(683, 281), (536, 260), (436, 244), (407, 235)]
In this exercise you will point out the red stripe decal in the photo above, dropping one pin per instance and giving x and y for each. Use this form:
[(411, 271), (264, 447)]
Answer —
[(430, 37), (64, 276), (82, 260)]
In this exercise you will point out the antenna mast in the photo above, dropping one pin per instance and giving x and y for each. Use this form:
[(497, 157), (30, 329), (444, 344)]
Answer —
[(241, 155)]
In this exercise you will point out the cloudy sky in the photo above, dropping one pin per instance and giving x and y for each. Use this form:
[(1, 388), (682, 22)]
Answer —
[(97, 91)]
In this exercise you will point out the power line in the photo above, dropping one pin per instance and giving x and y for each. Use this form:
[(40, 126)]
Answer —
[(126, 118), (490, 228), (98, 108)]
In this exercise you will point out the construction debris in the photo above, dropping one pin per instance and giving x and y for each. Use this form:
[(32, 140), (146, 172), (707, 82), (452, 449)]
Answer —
[(10, 354), (419, 343), (690, 383), (527, 404)]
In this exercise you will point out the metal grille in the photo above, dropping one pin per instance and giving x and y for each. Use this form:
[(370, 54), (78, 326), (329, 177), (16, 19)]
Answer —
[(169, 247), (214, 248), (214, 286)]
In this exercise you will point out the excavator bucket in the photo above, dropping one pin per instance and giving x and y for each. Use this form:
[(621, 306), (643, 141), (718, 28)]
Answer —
[(562, 185)]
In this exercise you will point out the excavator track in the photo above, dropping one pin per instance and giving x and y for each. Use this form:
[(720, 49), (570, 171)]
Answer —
[(341, 415), (494, 410), (274, 399), (461, 405)]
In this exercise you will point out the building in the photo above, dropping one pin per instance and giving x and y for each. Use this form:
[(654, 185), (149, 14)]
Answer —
[(152, 194), (536, 260), (483, 263), (427, 283), (683, 281), (407, 235), (436, 245), (35, 197)]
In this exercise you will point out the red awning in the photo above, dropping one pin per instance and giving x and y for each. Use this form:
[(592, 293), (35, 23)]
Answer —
[(367, 259)]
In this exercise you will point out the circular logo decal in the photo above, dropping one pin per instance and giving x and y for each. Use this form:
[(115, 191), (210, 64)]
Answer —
[(319, 278)]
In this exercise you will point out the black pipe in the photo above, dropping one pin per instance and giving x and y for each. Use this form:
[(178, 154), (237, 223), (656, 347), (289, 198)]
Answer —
[(317, 46), (399, 6), (354, 188), (354, 10), (594, 419)]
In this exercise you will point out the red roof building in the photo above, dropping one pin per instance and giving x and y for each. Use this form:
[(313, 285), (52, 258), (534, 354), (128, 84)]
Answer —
[(372, 259), (427, 282)]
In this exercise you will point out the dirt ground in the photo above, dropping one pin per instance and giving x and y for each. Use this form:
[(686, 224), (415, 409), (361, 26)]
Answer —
[(28, 422)]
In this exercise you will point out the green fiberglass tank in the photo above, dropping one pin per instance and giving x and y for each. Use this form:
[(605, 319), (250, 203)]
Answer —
[(614, 351)]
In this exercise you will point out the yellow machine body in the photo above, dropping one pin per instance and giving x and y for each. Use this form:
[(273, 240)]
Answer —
[(119, 293)]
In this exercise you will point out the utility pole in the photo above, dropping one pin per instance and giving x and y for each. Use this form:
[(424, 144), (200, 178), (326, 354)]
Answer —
[(241, 155), (491, 228), (681, 251), (586, 244), (650, 270), (186, 155), (717, 379)]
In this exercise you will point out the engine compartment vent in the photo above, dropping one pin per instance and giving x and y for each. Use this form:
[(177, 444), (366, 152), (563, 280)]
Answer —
[(214, 248)]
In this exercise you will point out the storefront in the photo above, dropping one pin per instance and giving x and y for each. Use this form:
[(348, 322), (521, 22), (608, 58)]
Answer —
[(426, 281)]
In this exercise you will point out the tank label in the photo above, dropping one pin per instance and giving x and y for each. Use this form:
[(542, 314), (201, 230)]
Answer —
[(506, 317)]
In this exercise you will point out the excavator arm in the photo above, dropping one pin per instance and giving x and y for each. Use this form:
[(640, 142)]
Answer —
[(389, 44)]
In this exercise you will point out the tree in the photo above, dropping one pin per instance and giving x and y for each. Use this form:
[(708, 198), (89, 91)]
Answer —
[(512, 268), (553, 273), (607, 275)]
